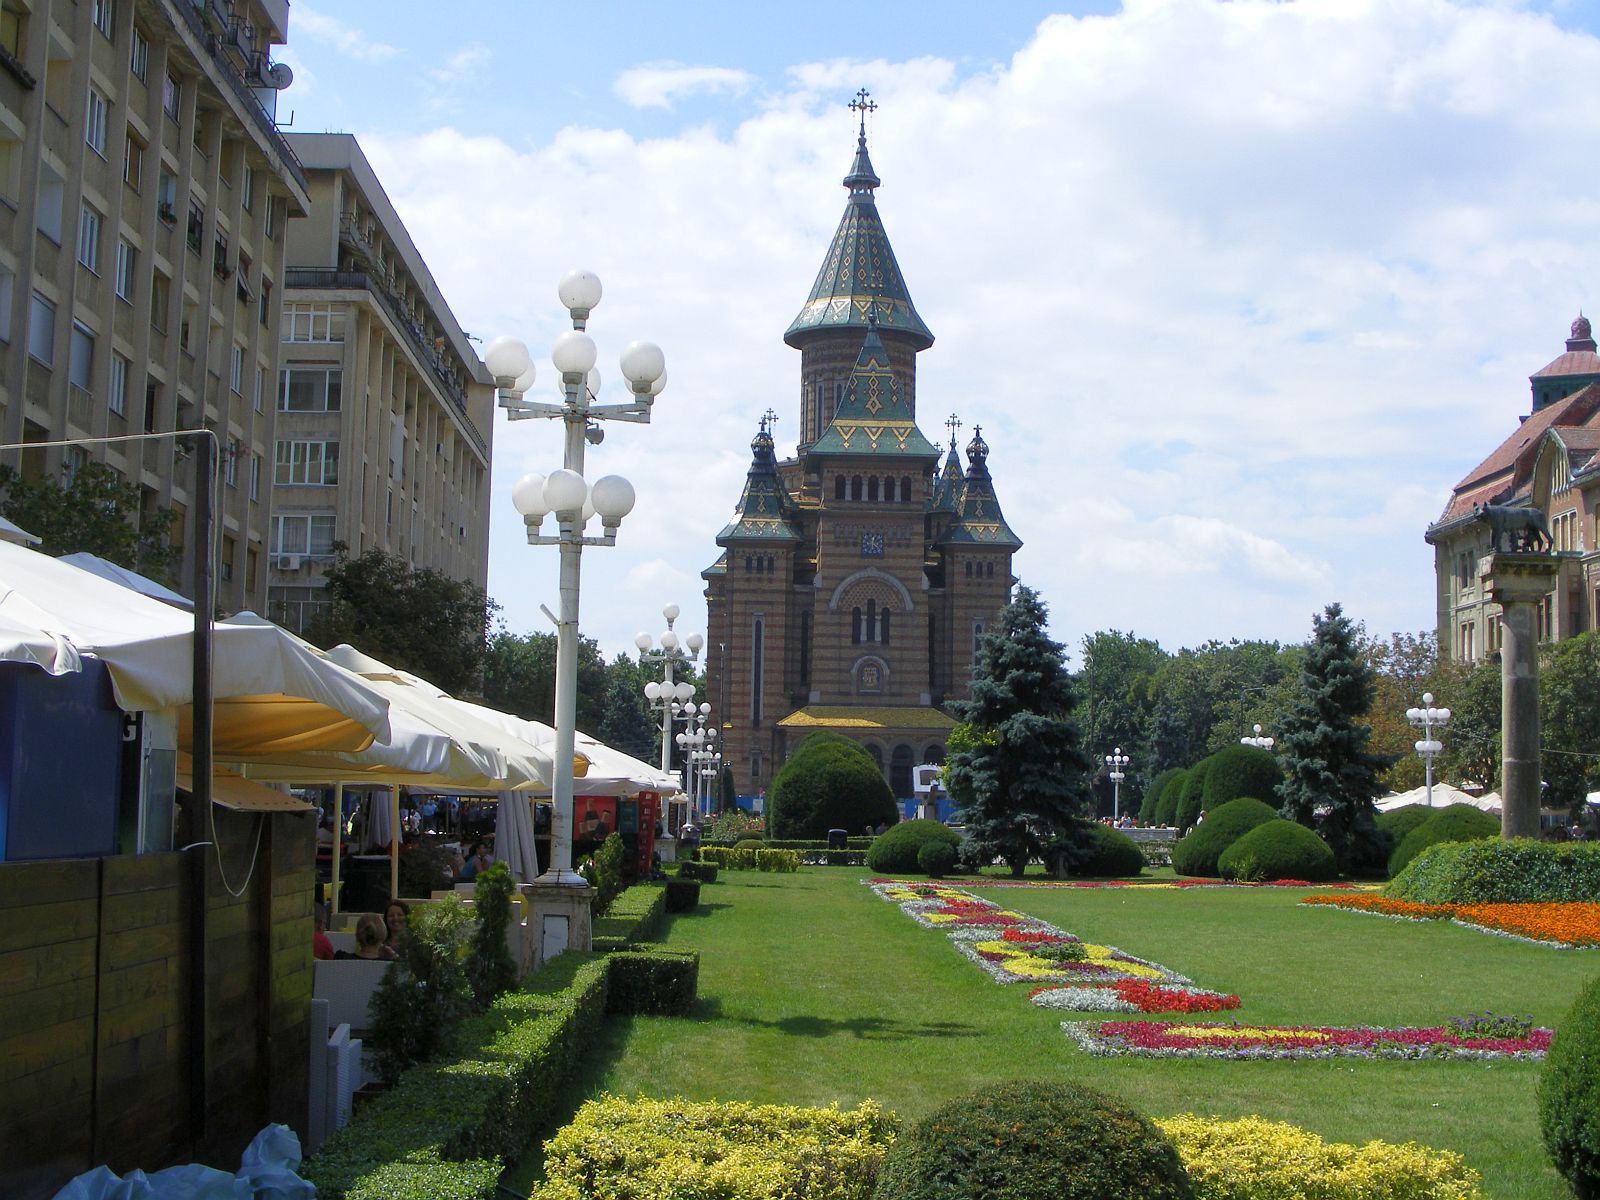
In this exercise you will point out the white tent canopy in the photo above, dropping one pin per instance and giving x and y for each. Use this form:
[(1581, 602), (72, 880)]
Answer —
[(1444, 794), (10, 532), (96, 565)]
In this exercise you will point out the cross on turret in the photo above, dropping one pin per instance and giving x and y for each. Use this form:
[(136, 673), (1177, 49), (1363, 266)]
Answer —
[(768, 420), (953, 424), (863, 105)]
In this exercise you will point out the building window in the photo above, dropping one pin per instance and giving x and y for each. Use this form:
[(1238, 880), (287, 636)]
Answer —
[(805, 647), (171, 96), (255, 477), (132, 160), (52, 197), (236, 371), (315, 463), (883, 628), (757, 651), (303, 533), (905, 488), (167, 198), (13, 20), (266, 303), (42, 330), (310, 389), (139, 56), (127, 261), (89, 238), (313, 323), (7, 285), (74, 460), (117, 397), (296, 608), (197, 224), (856, 492), (94, 121), (977, 636), (101, 16), (160, 296), (247, 186), (838, 487), (272, 218), (231, 454), (230, 551), (855, 626), (261, 384), (80, 366)]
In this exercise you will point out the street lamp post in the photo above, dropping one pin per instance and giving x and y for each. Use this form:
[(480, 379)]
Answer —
[(566, 493), (1259, 742), (696, 739), (1428, 718), (1116, 762), (671, 655)]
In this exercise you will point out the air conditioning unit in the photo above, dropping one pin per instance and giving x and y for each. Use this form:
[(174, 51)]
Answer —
[(288, 562)]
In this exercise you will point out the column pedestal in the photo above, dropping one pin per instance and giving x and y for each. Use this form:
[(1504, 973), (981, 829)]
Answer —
[(1517, 582), (559, 915)]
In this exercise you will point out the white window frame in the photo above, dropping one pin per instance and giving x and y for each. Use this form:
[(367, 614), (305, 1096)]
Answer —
[(329, 375), (89, 223), (139, 56), (255, 476), (236, 370), (261, 386), (96, 115), (309, 535), (42, 329), (101, 15), (313, 463), (80, 359), (117, 390), (127, 265), (311, 323), (172, 96)]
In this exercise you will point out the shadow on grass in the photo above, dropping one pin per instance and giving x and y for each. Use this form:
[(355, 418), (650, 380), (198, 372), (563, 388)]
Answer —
[(877, 1029)]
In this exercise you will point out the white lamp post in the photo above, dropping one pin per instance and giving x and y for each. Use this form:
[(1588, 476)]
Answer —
[(1116, 763), (1259, 742), (694, 740), (573, 500), (1428, 718), (671, 655)]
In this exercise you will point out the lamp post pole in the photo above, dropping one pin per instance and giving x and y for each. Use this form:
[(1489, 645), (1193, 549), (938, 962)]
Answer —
[(1428, 718), (1116, 763), (573, 500), (671, 655)]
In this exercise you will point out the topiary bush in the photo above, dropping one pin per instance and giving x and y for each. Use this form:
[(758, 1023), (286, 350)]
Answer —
[(683, 895), (1278, 849), (1492, 871), (896, 850), (1569, 1095), (1198, 853), (1023, 1140), (490, 967), (1192, 798), (1455, 823), (1167, 803), (829, 782), (1239, 771), (1398, 822), (701, 872), (1115, 855), (936, 859)]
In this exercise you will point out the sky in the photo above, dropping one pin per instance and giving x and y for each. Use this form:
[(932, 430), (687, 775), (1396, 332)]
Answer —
[(1237, 291)]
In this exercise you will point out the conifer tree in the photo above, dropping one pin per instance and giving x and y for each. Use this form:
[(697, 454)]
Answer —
[(1018, 775), (1323, 747)]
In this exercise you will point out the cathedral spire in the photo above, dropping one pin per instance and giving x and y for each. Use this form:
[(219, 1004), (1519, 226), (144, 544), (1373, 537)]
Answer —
[(874, 416), (764, 507), (978, 517)]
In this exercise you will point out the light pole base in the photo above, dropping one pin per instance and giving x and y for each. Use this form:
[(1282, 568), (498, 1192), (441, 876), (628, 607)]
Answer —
[(559, 903)]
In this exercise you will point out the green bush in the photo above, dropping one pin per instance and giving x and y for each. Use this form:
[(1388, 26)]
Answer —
[(1025, 1140), (1198, 853), (635, 917), (1398, 822), (1455, 823), (1491, 871), (652, 980), (1192, 799), (632, 1149), (1569, 1095), (936, 859), (490, 967), (683, 895), (895, 852), (1240, 771), (730, 858), (829, 782), (1152, 796), (603, 870), (422, 997), (749, 844), (701, 872), (448, 1127), (1115, 855), (1167, 804), (785, 862), (1278, 849)]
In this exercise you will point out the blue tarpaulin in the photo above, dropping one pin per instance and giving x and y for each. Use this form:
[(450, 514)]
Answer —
[(266, 1172)]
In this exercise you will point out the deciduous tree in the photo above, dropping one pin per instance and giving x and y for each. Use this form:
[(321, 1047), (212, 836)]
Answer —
[(93, 511)]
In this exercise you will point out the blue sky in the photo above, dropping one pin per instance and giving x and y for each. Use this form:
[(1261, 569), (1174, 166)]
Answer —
[(1236, 290)]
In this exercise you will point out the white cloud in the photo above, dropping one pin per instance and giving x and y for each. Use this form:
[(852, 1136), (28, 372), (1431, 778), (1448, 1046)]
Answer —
[(658, 85), (1236, 291), (317, 26), (461, 66)]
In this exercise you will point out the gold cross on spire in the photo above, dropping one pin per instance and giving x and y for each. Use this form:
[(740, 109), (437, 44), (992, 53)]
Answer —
[(768, 420), (863, 105), (953, 423)]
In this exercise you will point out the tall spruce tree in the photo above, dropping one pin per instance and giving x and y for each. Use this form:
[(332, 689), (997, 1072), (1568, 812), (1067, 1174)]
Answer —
[(1323, 746), (1019, 776)]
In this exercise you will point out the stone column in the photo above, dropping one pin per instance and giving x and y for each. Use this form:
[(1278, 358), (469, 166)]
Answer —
[(1517, 582), (560, 919)]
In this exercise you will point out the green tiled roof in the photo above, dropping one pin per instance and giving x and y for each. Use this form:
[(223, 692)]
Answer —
[(947, 487), (764, 508), (978, 517), (873, 418), (859, 277)]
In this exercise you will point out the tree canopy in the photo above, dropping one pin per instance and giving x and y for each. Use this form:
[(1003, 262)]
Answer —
[(96, 511)]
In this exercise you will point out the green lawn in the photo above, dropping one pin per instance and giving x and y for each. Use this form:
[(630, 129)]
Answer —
[(813, 990)]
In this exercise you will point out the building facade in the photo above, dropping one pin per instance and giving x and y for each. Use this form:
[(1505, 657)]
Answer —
[(1549, 462), (383, 408), (856, 577), (144, 195)]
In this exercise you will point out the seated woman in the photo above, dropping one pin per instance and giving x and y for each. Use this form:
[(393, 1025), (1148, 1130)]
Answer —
[(369, 939), (394, 921)]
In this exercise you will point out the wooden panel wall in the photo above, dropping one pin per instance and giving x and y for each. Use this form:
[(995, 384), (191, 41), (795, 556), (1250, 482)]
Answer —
[(96, 1034)]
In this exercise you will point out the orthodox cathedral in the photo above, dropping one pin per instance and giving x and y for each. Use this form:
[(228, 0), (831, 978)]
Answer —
[(856, 577)]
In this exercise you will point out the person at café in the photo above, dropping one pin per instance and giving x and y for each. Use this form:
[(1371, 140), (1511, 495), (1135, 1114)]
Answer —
[(481, 859), (369, 939), (321, 947), (394, 924)]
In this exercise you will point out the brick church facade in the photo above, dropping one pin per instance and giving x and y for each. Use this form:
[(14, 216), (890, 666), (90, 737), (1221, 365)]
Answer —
[(855, 577)]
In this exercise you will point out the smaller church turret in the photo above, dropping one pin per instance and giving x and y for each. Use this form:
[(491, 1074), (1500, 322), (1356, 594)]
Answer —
[(1577, 368)]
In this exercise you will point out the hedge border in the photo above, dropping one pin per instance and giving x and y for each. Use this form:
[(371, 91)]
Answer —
[(636, 916)]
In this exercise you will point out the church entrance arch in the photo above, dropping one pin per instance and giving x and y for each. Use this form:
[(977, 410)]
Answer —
[(900, 764)]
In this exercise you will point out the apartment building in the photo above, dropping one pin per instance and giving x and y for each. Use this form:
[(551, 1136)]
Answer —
[(144, 197), (384, 408)]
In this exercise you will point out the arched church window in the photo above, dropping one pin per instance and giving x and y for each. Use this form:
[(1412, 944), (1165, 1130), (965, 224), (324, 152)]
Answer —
[(838, 487), (877, 755), (883, 627), (871, 631), (905, 489), (855, 626), (989, 570), (748, 564), (900, 772), (872, 487), (856, 491), (969, 570), (888, 489)]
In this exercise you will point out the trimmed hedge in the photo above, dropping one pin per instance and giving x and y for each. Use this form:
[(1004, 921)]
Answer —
[(730, 858), (1238, 771), (1152, 796), (1569, 1095), (1115, 854), (1454, 823), (936, 859), (1025, 1140), (683, 895), (1278, 849), (833, 858), (1192, 799), (829, 782), (1198, 853), (635, 916), (1491, 871), (652, 980), (702, 872), (895, 852), (1167, 805), (784, 862), (804, 845), (1398, 822)]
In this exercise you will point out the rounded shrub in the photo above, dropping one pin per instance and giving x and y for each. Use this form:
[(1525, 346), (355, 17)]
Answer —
[(1022, 1140), (1455, 823), (1224, 825), (895, 851), (1278, 849), (1152, 795), (829, 782), (1192, 801), (936, 859), (1569, 1095), (1240, 771), (1492, 871), (1167, 805), (749, 844), (1398, 822), (1115, 855)]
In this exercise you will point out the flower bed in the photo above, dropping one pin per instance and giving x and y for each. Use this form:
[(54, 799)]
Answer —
[(1171, 1039), (1170, 884), (1567, 926), (1131, 996)]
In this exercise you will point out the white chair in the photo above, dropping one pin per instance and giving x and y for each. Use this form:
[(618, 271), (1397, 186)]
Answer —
[(347, 985)]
